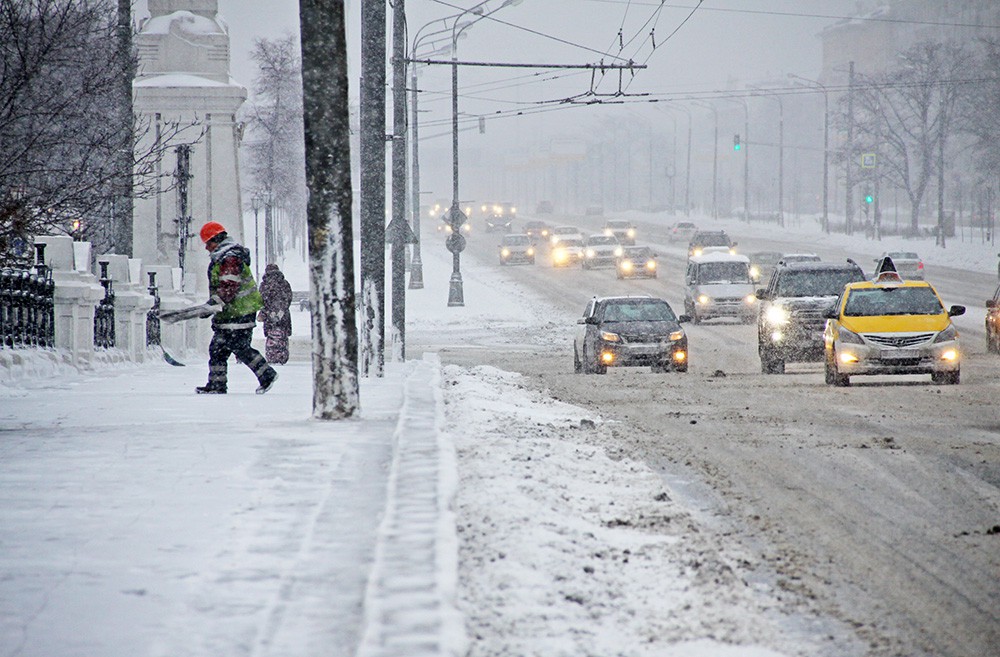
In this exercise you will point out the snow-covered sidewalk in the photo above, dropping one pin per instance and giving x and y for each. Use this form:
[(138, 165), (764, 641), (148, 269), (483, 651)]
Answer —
[(137, 518)]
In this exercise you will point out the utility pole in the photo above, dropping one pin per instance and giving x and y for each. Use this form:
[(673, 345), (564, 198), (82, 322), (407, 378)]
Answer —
[(849, 172), (417, 264), (399, 233), (372, 188), (183, 220)]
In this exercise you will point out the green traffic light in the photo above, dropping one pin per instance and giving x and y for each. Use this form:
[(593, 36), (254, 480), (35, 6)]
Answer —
[(869, 199), (736, 147)]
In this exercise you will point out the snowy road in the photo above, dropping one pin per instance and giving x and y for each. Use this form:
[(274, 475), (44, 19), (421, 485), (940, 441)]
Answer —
[(877, 505)]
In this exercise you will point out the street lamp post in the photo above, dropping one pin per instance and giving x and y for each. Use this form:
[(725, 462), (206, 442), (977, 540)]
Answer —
[(715, 159), (826, 148), (781, 152), (456, 241)]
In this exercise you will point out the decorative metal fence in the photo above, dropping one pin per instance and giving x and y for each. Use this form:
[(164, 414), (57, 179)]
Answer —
[(153, 316), (27, 308), (104, 313)]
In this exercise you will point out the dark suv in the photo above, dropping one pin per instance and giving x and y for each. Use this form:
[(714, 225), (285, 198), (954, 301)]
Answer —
[(704, 238), (617, 331), (790, 324)]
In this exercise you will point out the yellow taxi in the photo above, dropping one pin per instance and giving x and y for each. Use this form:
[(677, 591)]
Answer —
[(891, 326)]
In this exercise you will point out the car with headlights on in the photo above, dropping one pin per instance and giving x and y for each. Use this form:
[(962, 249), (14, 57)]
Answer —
[(564, 232), (567, 252), (537, 230), (516, 248), (637, 262), (623, 230), (908, 264), (719, 285), (629, 331), (891, 326), (703, 238), (499, 217), (788, 258), (601, 251), (791, 317)]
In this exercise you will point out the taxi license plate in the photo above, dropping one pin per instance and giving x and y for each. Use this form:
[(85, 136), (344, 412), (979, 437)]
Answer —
[(898, 354)]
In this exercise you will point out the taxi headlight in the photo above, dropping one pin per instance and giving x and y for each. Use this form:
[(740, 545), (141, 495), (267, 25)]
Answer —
[(618, 252), (950, 354), (849, 337), (607, 336), (704, 298), (947, 335), (676, 335), (777, 315), (591, 253)]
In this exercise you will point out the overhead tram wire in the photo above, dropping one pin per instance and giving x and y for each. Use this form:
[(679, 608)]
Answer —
[(872, 19), (669, 36)]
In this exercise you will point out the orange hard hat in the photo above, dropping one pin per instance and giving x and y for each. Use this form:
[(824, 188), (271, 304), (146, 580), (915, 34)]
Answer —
[(210, 230)]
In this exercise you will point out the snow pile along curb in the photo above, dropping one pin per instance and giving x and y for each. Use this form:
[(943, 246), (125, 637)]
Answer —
[(410, 602)]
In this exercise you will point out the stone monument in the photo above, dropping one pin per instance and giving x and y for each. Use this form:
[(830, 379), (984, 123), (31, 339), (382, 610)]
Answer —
[(184, 93)]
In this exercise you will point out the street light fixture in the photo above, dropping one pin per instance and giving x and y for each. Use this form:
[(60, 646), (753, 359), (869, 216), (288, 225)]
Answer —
[(255, 203), (826, 148), (456, 241)]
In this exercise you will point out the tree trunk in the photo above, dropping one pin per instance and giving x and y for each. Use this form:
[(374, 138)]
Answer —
[(121, 230), (331, 237)]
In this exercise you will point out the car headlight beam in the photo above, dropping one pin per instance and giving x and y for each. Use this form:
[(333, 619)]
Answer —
[(777, 315), (608, 336)]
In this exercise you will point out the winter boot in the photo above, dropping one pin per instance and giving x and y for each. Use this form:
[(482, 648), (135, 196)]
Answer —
[(267, 380), (211, 389)]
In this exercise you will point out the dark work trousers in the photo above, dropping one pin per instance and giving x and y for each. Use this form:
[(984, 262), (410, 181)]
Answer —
[(232, 341)]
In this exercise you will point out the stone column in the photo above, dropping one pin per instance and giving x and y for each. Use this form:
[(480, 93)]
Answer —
[(76, 296)]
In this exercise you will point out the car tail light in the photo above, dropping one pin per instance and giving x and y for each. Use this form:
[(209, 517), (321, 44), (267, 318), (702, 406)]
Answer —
[(920, 265)]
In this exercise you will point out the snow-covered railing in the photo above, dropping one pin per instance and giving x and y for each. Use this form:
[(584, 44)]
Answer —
[(26, 307)]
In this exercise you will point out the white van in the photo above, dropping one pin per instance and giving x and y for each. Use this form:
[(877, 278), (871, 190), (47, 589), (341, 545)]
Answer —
[(719, 285)]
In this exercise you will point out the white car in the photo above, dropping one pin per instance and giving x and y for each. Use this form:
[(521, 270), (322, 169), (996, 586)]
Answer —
[(601, 251), (719, 285)]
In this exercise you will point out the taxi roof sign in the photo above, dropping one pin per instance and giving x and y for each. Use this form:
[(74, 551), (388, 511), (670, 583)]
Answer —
[(886, 274)]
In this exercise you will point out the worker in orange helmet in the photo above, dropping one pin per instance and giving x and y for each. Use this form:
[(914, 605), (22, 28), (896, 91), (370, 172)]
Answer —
[(234, 292)]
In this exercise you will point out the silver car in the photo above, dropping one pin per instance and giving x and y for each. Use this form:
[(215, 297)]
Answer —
[(908, 264)]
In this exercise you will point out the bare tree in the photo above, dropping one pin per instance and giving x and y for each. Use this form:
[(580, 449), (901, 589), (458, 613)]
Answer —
[(906, 115), (980, 117), (61, 76), (276, 157), (328, 176)]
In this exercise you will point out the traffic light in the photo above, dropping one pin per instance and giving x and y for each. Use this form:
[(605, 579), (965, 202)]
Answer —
[(869, 198), (736, 143)]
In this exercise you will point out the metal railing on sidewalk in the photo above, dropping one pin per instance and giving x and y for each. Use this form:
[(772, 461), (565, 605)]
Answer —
[(27, 308)]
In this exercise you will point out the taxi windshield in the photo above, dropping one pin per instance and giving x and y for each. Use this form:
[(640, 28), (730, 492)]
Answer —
[(892, 301)]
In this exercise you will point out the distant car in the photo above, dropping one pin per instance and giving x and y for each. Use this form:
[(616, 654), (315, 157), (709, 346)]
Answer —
[(516, 247), (637, 262), (682, 231), (719, 285), (499, 217), (563, 232), (544, 207), (445, 225), (621, 229), (537, 230), (704, 238), (629, 331), (567, 252), (594, 211), (993, 323), (908, 264), (788, 258), (762, 263), (891, 326), (791, 319), (601, 251)]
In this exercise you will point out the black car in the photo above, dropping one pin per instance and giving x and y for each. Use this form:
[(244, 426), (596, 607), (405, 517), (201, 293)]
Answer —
[(705, 238), (499, 216), (538, 230), (791, 320), (629, 331), (637, 262)]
